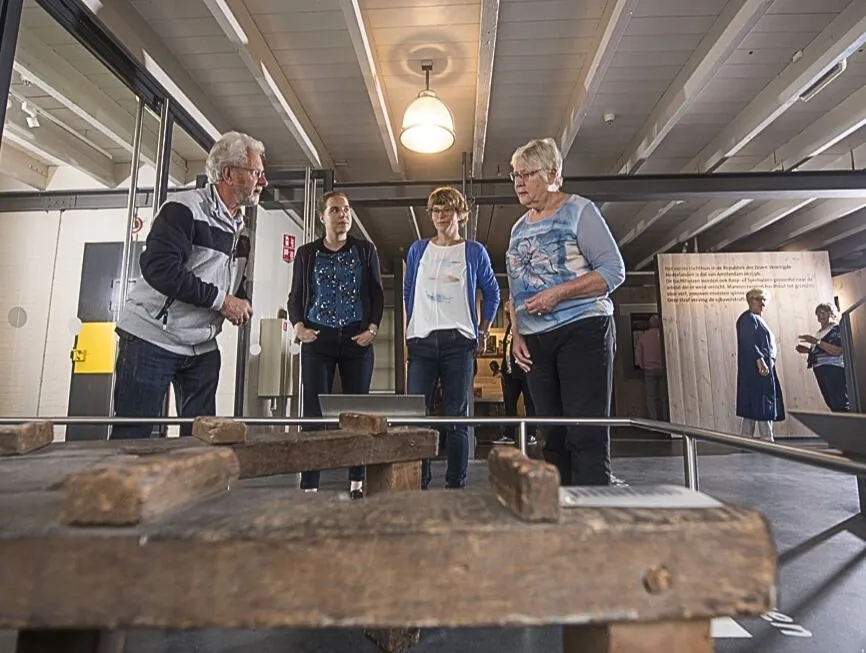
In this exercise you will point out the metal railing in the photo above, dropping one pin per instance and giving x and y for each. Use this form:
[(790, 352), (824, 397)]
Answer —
[(690, 434)]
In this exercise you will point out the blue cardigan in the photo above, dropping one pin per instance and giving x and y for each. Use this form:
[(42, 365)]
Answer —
[(480, 275)]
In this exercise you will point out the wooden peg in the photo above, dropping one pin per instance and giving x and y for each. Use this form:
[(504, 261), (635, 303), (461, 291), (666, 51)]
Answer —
[(529, 488), (219, 430), (369, 424), (129, 490), (21, 439)]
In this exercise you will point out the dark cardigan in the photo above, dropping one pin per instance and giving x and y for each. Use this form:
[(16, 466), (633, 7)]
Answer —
[(301, 294)]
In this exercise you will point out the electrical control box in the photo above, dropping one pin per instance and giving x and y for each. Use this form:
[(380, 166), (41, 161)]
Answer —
[(277, 364)]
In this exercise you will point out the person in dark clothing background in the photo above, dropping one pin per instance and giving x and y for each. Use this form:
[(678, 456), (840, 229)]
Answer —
[(335, 305), (514, 384), (759, 393)]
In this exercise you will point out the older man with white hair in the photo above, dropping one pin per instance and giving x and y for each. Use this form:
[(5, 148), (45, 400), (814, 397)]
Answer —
[(193, 278)]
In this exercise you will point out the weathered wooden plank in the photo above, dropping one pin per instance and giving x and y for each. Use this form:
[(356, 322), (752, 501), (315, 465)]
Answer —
[(529, 488), (355, 563), (125, 491), (392, 477), (219, 430), (288, 454), (21, 439), (369, 424), (668, 636)]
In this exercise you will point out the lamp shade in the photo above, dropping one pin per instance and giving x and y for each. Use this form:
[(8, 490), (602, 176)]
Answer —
[(428, 126)]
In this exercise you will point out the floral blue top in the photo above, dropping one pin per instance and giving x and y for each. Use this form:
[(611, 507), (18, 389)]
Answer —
[(571, 242)]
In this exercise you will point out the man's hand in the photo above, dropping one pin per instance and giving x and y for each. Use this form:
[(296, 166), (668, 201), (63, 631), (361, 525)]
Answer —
[(237, 311), (521, 352), (304, 334), (365, 338)]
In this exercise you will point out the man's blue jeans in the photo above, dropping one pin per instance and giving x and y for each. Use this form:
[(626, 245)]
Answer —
[(446, 356), (143, 374)]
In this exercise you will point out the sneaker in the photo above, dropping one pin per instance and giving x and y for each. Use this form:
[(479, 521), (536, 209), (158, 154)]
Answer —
[(356, 494), (505, 440), (532, 440)]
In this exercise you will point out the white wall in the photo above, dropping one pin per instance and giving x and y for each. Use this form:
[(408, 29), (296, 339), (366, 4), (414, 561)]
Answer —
[(272, 278), (27, 249)]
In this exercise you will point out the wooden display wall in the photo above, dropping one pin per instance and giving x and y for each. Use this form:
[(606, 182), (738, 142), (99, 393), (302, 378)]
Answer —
[(702, 295)]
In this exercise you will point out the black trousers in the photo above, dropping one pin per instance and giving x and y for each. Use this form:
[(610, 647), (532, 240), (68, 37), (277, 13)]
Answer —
[(572, 376), (831, 381), (333, 349), (513, 385)]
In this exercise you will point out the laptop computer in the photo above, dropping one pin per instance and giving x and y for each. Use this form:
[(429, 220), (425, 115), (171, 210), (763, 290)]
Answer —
[(374, 404)]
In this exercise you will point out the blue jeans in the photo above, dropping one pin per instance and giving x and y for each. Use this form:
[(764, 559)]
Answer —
[(142, 376), (334, 348), (446, 356)]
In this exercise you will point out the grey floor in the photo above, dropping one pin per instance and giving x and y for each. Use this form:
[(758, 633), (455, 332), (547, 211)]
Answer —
[(822, 547)]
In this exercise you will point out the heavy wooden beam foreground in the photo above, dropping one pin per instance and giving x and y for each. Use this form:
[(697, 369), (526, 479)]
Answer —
[(356, 563)]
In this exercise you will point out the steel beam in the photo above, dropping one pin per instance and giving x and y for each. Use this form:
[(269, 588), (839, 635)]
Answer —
[(10, 20)]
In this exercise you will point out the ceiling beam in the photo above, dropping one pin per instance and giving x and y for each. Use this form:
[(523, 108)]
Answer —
[(745, 226), (37, 63), (848, 247), (644, 219), (484, 81), (372, 80), (815, 216), (842, 37), (823, 237), (124, 22), (617, 16), (829, 129), (726, 34), (709, 215), (23, 167), (240, 28), (50, 142)]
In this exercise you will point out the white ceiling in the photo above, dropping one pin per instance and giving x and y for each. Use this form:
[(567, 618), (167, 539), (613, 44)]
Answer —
[(686, 79)]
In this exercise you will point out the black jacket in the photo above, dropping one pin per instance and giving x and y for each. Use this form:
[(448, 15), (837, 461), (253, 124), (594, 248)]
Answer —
[(372, 295)]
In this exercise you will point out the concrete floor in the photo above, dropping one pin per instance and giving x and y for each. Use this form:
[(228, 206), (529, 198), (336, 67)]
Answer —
[(822, 599)]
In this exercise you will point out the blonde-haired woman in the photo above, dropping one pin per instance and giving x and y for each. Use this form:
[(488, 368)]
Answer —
[(563, 263), (443, 332)]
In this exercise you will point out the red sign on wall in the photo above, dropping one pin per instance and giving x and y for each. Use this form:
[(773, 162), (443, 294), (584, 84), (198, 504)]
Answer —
[(288, 248)]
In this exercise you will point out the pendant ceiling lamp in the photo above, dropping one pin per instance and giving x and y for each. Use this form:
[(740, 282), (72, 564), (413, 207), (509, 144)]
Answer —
[(428, 126)]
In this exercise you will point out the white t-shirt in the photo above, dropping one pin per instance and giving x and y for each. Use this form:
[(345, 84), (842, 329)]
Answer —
[(441, 300)]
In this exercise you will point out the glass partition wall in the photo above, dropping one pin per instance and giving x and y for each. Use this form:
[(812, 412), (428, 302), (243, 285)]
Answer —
[(84, 163)]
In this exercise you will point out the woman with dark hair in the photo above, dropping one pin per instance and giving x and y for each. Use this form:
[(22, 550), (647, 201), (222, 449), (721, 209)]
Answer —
[(824, 357), (335, 305), (443, 332)]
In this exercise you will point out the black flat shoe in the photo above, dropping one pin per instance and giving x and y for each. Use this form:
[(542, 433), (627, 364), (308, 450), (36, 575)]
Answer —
[(356, 494)]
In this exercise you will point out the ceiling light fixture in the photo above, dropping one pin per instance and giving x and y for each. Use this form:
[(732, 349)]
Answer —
[(428, 126)]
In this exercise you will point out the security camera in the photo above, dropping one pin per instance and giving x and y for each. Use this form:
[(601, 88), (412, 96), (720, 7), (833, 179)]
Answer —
[(609, 117)]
